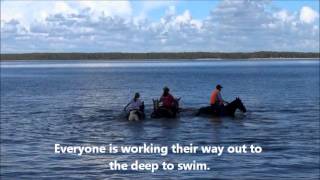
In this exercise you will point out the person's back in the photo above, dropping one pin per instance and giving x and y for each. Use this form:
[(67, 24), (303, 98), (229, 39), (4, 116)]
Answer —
[(167, 106), (213, 97), (216, 98), (167, 100), (135, 108), (134, 104)]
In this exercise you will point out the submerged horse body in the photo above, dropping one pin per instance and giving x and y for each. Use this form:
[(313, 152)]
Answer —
[(136, 115), (228, 110), (165, 112)]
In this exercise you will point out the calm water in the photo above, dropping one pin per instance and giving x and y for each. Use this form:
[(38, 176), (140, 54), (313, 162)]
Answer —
[(80, 103)]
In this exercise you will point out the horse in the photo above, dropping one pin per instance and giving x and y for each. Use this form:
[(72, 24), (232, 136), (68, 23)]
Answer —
[(227, 110), (136, 115), (162, 112)]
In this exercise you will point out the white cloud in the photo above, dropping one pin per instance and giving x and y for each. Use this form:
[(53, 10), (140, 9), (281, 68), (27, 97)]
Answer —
[(146, 7), (284, 15), (39, 10), (151, 5), (62, 7), (92, 26), (184, 18), (108, 8), (308, 15)]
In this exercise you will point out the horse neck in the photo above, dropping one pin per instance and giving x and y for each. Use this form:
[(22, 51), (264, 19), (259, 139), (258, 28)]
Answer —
[(232, 107)]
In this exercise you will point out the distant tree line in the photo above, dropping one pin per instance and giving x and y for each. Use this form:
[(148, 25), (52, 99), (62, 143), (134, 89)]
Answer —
[(157, 55)]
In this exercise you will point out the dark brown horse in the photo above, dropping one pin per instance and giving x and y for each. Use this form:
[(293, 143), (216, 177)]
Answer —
[(162, 112), (227, 110)]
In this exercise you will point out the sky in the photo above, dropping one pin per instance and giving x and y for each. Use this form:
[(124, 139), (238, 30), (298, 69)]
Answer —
[(159, 26)]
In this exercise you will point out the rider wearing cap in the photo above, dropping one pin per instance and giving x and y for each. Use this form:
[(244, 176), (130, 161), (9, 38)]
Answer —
[(216, 100)]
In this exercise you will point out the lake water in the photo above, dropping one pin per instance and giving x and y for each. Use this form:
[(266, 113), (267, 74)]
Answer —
[(80, 103)]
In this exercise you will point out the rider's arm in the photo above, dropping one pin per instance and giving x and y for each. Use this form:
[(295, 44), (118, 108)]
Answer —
[(172, 99), (219, 97), (125, 108), (141, 103)]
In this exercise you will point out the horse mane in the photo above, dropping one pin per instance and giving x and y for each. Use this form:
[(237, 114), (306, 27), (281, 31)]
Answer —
[(233, 105), (234, 102)]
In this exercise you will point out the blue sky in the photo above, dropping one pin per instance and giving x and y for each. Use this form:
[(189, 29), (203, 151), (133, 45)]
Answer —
[(201, 9), (148, 26)]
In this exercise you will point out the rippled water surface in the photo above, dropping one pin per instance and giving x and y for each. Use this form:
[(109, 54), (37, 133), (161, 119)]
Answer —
[(80, 103)]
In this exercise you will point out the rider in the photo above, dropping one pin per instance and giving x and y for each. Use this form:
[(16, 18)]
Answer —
[(167, 99), (216, 101), (168, 102), (135, 105)]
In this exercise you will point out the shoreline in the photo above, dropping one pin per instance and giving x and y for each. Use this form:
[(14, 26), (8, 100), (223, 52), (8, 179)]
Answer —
[(168, 56), (164, 60)]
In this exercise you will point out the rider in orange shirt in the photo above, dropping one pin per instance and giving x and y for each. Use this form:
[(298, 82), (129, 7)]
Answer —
[(216, 101)]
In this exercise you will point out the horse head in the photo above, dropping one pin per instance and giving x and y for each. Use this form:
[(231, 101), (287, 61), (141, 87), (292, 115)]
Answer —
[(176, 102), (142, 106), (240, 105)]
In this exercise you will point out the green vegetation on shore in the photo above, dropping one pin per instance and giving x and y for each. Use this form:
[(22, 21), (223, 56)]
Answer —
[(157, 55)]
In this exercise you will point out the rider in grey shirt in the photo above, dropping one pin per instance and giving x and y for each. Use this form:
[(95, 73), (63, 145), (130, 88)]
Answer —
[(134, 104)]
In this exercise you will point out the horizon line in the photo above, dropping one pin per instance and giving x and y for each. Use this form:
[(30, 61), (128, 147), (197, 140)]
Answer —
[(155, 52)]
